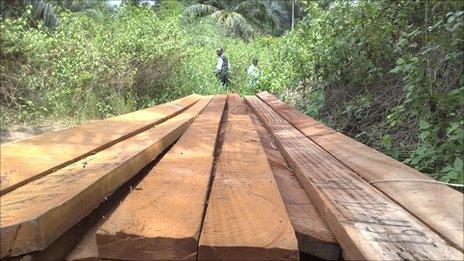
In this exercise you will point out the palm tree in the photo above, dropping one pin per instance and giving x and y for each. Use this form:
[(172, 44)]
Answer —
[(243, 18), (47, 11), (40, 10)]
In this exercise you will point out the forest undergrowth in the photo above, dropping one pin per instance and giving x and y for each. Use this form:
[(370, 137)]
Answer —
[(387, 73)]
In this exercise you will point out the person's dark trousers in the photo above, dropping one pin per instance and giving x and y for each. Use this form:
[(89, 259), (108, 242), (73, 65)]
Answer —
[(224, 80)]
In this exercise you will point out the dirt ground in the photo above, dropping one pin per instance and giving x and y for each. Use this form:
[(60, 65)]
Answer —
[(21, 132)]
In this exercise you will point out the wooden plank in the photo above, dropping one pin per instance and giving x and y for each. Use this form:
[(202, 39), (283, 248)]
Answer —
[(245, 218), (161, 219), (367, 224), (61, 248), (87, 248), (73, 238), (438, 206), (313, 235), (33, 158), (36, 214)]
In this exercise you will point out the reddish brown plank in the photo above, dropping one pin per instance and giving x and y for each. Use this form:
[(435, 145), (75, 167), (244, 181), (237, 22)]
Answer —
[(438, 206), (36, 214), (313, 235), (33, 158), (367, 224), (245, 218), (161, 218)]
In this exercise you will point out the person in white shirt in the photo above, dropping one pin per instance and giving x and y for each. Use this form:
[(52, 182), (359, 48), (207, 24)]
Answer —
[(222, 67), (254, 72)]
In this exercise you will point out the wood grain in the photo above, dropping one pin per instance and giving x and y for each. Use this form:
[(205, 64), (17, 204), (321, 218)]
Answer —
[(162, 217), (66, 243), (313, 235), (87, 248), (33, 158), (367, 224), (438, 206), (36, 214), (245, 218)]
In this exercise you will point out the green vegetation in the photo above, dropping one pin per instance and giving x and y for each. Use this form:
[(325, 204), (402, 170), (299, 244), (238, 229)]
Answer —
[(388, 73), (246, 18)]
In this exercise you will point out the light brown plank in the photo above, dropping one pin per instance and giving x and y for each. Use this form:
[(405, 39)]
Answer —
[(33, 158), (245, 218), (313, 235), (37, 213), (438, 206), (367, 224), (66, 243), (161, 219), (87, 248)]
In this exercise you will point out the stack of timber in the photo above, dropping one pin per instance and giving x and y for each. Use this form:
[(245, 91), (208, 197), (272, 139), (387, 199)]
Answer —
[(31, 159), (37, 213), (314, 237), (161, 219), (367, 223), (425, 200), (246, 217), (218, 178)]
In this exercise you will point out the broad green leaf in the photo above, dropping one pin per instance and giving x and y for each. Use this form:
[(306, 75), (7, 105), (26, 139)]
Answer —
[(458, 164), (447, 169)]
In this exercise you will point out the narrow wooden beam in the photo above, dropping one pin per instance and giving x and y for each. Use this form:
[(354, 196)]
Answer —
[(245, 217), (313, 235), (162, 217), (438, 206), (36, 214), (367, 224), (33, 158)]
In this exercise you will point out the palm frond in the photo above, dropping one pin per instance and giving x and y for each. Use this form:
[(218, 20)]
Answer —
[(246, 17), (199, 10), (10, 9), (220, 16), (40, 11), (239, 25), (261, 13)]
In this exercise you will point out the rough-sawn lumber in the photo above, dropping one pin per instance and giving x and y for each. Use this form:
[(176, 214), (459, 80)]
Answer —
[(366, 223), (246, 217), (162, 217), (33, 158), (438, 206), (86, 249), (313, 235), (36, 214)]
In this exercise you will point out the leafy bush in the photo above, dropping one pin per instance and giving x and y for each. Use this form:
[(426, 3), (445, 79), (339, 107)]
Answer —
[(92, 67), (85, 65), (388, 73)]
